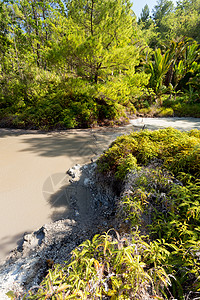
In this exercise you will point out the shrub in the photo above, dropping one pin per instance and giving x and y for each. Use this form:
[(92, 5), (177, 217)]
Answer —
[(145, 111), (107, 266), (166, 112), (171, 210), (48, 102), (187, 110), (179, 151)]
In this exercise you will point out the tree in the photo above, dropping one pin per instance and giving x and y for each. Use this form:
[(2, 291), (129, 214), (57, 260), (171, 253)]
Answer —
[(183, 21), (144, 16), (187, 19), (106, 30), (33, 20), (4, 27), (161, 9)]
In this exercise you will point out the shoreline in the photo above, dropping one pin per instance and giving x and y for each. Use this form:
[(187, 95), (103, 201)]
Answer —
[(28, 263)]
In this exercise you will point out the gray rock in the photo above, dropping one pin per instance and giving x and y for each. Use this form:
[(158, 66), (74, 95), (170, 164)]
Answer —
[(86, 181), (77, 167), (71, 172)]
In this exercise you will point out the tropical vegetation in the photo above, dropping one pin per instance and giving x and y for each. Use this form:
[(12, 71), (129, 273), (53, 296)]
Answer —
[(69, 64)]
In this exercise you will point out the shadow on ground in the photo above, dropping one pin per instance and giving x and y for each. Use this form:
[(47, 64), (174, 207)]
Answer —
[(73, 199), (70, 145), (6, 132), (6, 241)]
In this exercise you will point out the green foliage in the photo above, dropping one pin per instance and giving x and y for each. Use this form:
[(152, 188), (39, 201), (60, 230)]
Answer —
[(175, 22), (161, 9), (156, 198), (179, 151), (144, 16), (126, 164), (48, 50), (173, 70), (49, 102), (158, 68), (185, 20), (106, 31), (171, 211), (106, 266), (46, 45), (181, 108), (181, 229), (166, 112)]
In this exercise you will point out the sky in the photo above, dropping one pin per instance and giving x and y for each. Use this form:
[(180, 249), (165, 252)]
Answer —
[(139, 4)]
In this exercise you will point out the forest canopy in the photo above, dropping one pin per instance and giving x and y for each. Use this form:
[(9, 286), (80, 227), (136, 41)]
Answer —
[(66, 64)]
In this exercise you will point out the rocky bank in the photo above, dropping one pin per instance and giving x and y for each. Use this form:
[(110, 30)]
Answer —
[(52, 243)]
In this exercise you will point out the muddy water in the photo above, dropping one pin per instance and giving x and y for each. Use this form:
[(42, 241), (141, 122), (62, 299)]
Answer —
[(32, 172), (178, 123), (33, 169)]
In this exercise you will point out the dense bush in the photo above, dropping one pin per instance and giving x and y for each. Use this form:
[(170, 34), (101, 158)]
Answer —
[(182, 107), (171, 211), (163, 195), (179, 151), (64, 104)]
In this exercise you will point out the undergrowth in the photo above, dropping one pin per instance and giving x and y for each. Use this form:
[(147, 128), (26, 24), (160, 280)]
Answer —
[(108, 267), (180, 106), (170, 210), (179, 152), (61, 104), (162, 193)]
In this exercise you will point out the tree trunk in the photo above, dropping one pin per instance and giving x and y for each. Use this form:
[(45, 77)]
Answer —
[(36, 33), (96, 75), (91, 18)]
